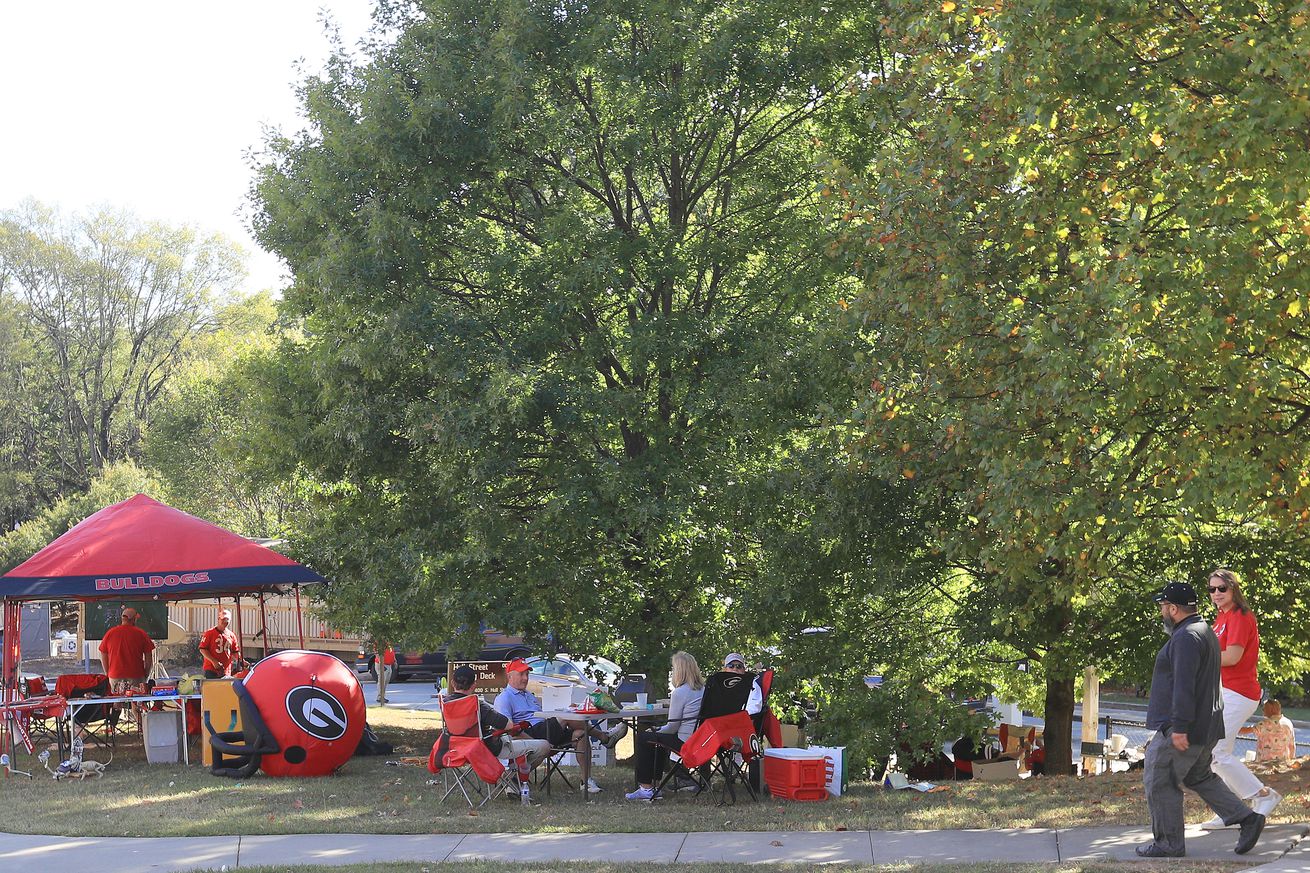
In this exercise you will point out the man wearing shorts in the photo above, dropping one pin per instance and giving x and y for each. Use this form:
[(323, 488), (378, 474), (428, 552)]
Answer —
[(126, 653), (518, 704)]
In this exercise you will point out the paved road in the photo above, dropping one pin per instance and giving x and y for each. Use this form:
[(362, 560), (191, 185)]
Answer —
[(1138, 736)]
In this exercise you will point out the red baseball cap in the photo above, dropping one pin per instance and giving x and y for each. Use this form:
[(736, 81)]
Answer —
[(518, 664)]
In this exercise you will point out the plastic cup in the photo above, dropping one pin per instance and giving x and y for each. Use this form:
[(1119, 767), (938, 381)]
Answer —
[(641, 699)]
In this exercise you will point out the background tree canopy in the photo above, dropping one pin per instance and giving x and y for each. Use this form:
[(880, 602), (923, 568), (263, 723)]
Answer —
[(1085, 275), (565, 313), (96, 314)]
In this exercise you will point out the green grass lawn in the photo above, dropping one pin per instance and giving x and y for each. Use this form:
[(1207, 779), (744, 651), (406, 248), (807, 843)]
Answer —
[(369, 796)]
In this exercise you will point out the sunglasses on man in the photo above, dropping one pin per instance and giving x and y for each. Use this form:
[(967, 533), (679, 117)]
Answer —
[(736, 665)]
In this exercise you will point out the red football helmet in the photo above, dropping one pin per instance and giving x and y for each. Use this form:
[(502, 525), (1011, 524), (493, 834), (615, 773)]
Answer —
[(308, 715)]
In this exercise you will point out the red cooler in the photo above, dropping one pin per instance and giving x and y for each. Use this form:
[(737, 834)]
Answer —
[(796, 774)]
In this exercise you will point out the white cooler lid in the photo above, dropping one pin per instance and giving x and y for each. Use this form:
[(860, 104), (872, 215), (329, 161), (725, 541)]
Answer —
[(794, 754)]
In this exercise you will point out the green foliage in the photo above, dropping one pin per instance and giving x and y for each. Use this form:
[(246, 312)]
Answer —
[(564, 315), (98, 312), (1084, 256), (203, 438)]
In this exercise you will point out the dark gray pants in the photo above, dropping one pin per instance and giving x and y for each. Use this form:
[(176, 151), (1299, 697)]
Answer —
[(1167, 772)]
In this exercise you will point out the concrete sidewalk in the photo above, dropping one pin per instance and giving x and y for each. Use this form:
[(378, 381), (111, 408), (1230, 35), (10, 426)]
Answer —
[(1279, 850)]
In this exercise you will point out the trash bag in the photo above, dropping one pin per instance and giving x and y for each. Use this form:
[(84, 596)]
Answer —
[(371, 744)]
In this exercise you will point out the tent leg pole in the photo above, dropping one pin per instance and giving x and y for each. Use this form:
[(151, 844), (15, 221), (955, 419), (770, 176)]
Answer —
[(241, 637), (263, 626), (300, 621)]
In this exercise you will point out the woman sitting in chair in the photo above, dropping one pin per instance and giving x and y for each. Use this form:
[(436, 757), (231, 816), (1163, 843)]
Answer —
[(684, 708)]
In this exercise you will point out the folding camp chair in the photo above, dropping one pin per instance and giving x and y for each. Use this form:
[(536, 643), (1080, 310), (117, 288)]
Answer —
[(463, 759), (553, 768), (97, 722), (42, 724), (726, 740)]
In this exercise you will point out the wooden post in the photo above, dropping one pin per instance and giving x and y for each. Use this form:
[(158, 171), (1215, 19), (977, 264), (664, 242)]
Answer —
[(1091, 715)]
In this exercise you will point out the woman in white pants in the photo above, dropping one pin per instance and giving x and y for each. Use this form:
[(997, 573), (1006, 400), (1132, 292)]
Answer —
[(1239, 649)]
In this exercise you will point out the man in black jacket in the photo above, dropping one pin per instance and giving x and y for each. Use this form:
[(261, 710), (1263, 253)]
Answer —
[(1186, 711)]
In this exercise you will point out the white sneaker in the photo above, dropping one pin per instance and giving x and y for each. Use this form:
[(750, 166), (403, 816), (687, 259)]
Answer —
[(1215, 824), (1265, 803), (616, 733), (641, 794), (593, 788)]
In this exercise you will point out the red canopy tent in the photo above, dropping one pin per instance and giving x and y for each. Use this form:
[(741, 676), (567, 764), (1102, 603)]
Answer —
[(141, 549)]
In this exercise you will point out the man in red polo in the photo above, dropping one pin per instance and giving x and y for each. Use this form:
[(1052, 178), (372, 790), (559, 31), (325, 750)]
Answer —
[(126, 653)]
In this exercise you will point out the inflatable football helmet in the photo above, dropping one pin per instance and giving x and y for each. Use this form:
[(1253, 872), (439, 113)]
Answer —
[(302, 714)]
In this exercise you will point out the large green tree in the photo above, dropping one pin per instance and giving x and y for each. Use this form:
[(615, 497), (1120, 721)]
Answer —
[(105, 308), (204, 439), (1084, 255), (564, 311)]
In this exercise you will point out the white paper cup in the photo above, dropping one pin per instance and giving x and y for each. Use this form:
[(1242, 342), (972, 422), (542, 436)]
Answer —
[(641, 699)]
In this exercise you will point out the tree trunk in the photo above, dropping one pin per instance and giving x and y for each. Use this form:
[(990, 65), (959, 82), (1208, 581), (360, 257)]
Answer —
[(1058, 733)]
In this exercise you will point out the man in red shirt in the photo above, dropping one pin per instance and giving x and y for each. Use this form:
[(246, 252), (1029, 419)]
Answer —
[(126, 653), (219, 648), (385, 665)]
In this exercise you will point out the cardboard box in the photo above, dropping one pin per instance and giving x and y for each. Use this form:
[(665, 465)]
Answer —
[(996, 770), (792, 737), (555, 696)]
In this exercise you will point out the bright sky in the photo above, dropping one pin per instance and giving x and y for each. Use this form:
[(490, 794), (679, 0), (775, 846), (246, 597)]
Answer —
[(153, 105)]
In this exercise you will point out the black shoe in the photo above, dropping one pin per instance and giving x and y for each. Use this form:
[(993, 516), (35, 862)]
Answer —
[(1151, 850), (1252, 825)]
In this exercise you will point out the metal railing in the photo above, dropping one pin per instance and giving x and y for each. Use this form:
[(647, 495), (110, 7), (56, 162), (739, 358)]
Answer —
[(1138, 733)]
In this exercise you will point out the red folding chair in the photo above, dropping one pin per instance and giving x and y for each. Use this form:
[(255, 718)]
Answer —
[(42, 723), (462, 758)]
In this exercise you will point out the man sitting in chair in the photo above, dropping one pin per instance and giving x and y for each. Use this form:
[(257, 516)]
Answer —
[(517, 704), (735, 663), (528, 752)]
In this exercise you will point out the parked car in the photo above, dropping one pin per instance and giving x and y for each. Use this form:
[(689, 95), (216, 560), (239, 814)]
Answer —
[(497, 646), (589, 671)]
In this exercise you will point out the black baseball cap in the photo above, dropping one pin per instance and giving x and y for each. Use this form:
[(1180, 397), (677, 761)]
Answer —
[(464, 676), (1177, 593)]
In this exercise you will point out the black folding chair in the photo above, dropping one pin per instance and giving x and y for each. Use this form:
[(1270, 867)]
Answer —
[(726, 694)]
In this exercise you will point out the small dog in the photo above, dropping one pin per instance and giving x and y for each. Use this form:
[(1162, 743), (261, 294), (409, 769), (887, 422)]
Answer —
[(75, 768)]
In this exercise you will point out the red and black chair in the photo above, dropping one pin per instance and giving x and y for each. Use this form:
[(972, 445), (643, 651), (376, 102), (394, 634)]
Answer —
[(726, 742), (43, 723), (96, 722), (461, 756)]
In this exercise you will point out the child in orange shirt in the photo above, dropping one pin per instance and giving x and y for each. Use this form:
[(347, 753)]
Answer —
[(1275, 738)]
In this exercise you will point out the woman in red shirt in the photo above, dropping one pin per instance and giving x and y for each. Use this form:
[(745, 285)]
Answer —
[(1239, 649)]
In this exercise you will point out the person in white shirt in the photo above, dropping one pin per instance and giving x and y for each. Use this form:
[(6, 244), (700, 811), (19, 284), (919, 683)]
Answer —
[(653, 747), (735, 663)]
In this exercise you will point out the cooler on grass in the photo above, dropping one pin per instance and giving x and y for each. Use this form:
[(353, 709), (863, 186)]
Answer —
[(796, 774), (218, 700), (163, 736)]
